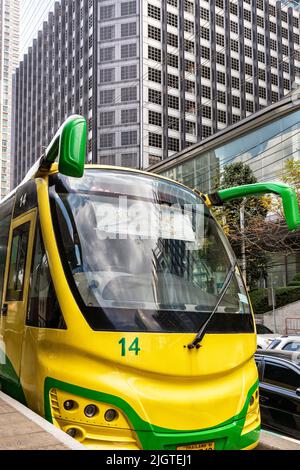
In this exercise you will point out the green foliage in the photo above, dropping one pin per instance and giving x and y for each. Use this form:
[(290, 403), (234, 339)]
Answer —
[(295, 281), (283, 295), (256, 209)]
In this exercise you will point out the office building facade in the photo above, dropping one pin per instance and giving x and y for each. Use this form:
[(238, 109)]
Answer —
[(152, 77), (9, 59)]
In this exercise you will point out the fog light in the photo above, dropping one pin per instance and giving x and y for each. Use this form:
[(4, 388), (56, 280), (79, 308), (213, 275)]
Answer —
[(90, 411), (251, 400), (71, 432), (69, 405), (110, 415)]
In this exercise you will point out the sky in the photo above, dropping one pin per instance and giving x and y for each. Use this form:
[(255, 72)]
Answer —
[(32, 15)]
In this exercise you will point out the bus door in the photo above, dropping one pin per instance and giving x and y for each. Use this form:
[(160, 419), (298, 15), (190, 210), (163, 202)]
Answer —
[(14, 301)]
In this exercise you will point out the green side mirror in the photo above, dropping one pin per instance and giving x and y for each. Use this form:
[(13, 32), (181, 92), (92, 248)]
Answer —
[(68, 146), (288, 195)]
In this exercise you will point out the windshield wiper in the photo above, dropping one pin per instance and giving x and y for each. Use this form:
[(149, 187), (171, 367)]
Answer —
[(198, 338)]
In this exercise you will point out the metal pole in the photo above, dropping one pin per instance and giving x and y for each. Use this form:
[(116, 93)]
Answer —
[(243, 247)]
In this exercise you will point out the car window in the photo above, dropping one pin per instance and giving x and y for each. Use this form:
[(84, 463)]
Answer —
[(274, 343), (263, 330), (259, 367), (292, 346), (281, 376)]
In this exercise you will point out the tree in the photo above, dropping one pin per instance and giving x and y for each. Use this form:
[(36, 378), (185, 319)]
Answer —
[(244, 222)]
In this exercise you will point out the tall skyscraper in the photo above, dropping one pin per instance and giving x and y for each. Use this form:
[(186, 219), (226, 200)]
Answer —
[(32, 15), (9, 59), (152, 76)]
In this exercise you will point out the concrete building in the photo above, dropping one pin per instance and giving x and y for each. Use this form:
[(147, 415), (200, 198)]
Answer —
[(152, 77), (9, 55), (32, 15)]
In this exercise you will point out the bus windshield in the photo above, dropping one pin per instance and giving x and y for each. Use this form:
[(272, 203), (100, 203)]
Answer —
[(144, 254)]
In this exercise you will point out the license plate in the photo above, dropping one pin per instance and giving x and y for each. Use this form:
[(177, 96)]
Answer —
[(201, 446)]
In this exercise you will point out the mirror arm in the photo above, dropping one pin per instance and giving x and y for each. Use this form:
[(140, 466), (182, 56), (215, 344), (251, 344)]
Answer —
[(288, 195)]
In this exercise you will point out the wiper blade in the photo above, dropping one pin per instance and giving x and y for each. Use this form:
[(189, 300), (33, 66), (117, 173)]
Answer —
[(198, 338)]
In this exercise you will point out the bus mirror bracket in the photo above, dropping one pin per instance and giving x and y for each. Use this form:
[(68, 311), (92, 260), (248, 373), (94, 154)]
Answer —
[(68, 146), (287, 194)]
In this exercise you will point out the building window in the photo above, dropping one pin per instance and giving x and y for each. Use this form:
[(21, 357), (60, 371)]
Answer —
[(220, 39), (107, 75), (249, 106), (205, 91), (128, 72), (220, 58), (155, 140), (234, 27), (235, 65), (249, 87), (107, 140), (129, 94), (154, 54), (190, 127), (173, 102), (107, 33), (235, 101), (172, 39), (107, 96), (108, 159), (204, 14), (206, 112), (248, 33), (107, 118), (274, 79), (155, 118), (286, 84), (128, 116), (221, 97), (154, 75), (273, 45), (128, 50), (205, 72), (173, 3), (154, 33), (190, 86), (189, 26), (205, 52), (234, 45), (206, 131), (221, 77), (274, 97), (262, 92), (235, 83), (129, 159), (154, 96), (190, 106), (153, 12), (173, 123), (107, 54), (173, 144), (107, 12), (129, 138), (128, 8), (261, 57), (221, 115), (172, 60), (189, 6), (173, 81), (172, 19), (128, 29), (204, 33), (248, 51), (247, 15), (261, 74), (248, 69), (189, 46), (220, 21), (189, 66)]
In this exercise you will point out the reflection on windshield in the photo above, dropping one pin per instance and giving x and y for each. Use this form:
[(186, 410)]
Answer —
[(142, 253)]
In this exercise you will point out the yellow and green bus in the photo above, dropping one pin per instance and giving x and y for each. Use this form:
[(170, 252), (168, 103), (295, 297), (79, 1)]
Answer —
[(124, 317)]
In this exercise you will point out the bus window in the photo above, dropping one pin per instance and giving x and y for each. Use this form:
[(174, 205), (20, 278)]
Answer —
[(5, 218), (17, 262), (43, 308)]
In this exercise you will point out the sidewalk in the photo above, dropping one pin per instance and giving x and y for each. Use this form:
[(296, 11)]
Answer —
[(272, 441), (22, 429)]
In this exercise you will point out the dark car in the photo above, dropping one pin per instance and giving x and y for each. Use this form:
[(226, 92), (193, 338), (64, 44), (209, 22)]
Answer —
[(279, 391), (263, 330)]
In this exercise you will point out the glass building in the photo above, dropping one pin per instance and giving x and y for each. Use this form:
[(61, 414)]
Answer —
[(264, 141)]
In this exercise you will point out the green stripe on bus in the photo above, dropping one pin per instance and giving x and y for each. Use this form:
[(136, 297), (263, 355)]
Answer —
[(227, 434)]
